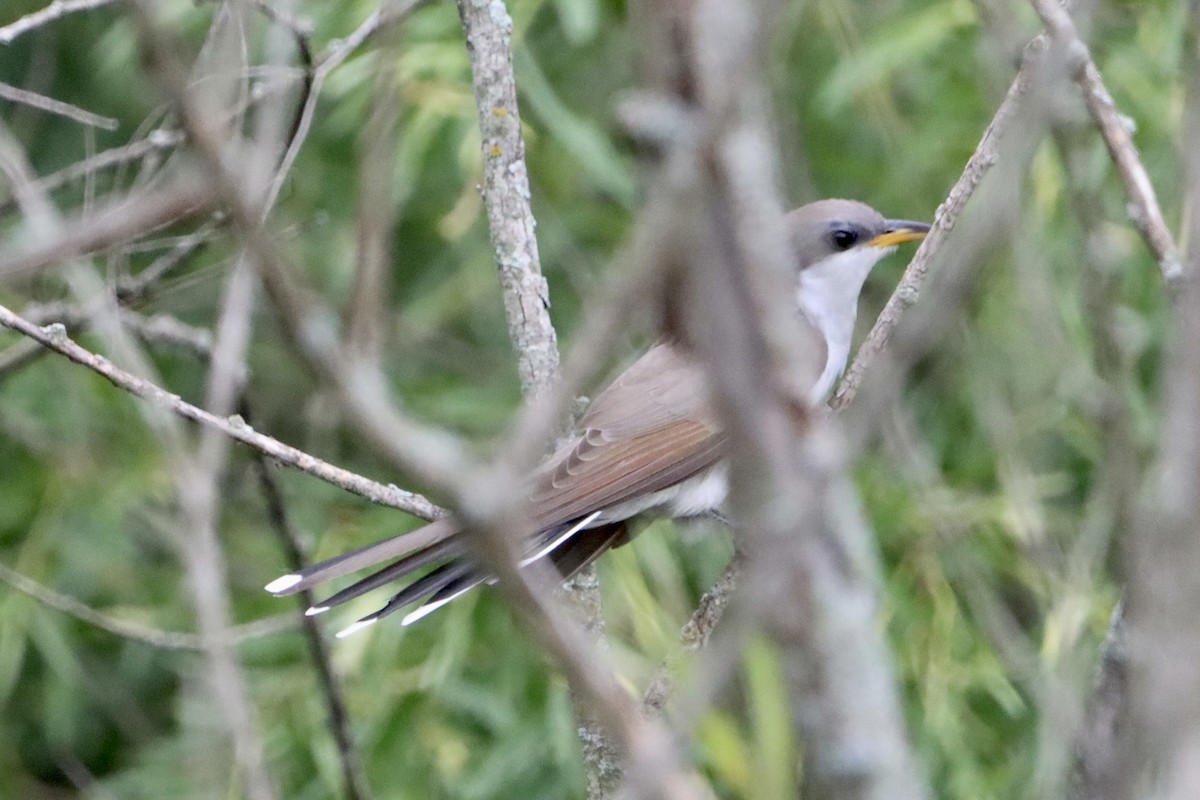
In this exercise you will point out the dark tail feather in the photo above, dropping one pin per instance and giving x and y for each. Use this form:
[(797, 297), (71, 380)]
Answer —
[(553, 538), (392, 572), (581, 548), (569, 546), (586, 546), (443, 596), (440, 578), (420, 539)]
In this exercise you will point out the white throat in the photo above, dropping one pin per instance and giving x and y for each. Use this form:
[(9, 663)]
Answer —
[(828, 297)]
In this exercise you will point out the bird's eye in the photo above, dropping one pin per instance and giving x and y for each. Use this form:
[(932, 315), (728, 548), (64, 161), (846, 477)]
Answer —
[(843, 238)]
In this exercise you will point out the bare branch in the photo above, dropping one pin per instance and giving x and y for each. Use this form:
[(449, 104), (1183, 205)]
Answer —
[(165, 640), (132, 290), (394, 13), (54, 338), (353, 776), (49, 104), (111, 226), (390, 12), (506, 194), (1116, 130), (695, 634), (157, 141), (978, 165), (55, 11)]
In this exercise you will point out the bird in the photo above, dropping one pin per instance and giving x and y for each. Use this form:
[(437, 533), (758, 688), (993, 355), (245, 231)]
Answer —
[(649, 442)]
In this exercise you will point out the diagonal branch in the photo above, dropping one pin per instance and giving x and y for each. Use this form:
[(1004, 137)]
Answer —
[(978, 165), (135, 631), (52, 106), (115, 224), (54, 337), (1116, 131), (51, 13)]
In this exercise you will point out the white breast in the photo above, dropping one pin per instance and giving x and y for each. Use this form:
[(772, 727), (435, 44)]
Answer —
[(828, 296)]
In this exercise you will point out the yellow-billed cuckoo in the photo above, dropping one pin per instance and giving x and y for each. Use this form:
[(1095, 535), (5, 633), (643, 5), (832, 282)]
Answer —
[(651, 441)]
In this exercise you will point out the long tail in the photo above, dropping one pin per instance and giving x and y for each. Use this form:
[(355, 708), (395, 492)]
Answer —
[(429, 536), (570, 546)]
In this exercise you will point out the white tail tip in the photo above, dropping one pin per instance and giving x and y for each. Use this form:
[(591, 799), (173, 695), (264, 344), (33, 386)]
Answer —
[(356, 627), (312, 611), (280, 585), (429, 608), (554, 545)]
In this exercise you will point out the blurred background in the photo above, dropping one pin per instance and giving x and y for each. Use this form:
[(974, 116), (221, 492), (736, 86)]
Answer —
[(997, 490)]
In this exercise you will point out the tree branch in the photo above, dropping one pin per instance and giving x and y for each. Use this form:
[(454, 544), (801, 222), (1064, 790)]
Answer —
[(1116, 131), (54, 337), (133, 631), (506, 195), (51, 13), (50, 105), (978, 165)]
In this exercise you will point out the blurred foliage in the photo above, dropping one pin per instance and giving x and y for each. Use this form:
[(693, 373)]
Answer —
[(996, 492)]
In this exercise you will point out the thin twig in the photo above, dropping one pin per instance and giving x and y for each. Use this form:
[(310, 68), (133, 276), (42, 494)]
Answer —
[(54, 338), (1116, 131), (158, 328), (349, 757), (49, 104), (155, 637), (55, 11), (157, 141), (111, 226), (137, 288), (693, 636), (978, 165), (391, 14)]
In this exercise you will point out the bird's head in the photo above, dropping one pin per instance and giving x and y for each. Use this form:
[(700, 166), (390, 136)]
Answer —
[(851, 233)]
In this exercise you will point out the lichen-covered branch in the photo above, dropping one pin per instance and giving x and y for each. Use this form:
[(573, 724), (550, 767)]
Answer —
[(506, 194)]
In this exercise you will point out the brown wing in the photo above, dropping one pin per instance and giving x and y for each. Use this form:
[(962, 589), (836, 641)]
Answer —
[(662, 386), (652, 428)]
